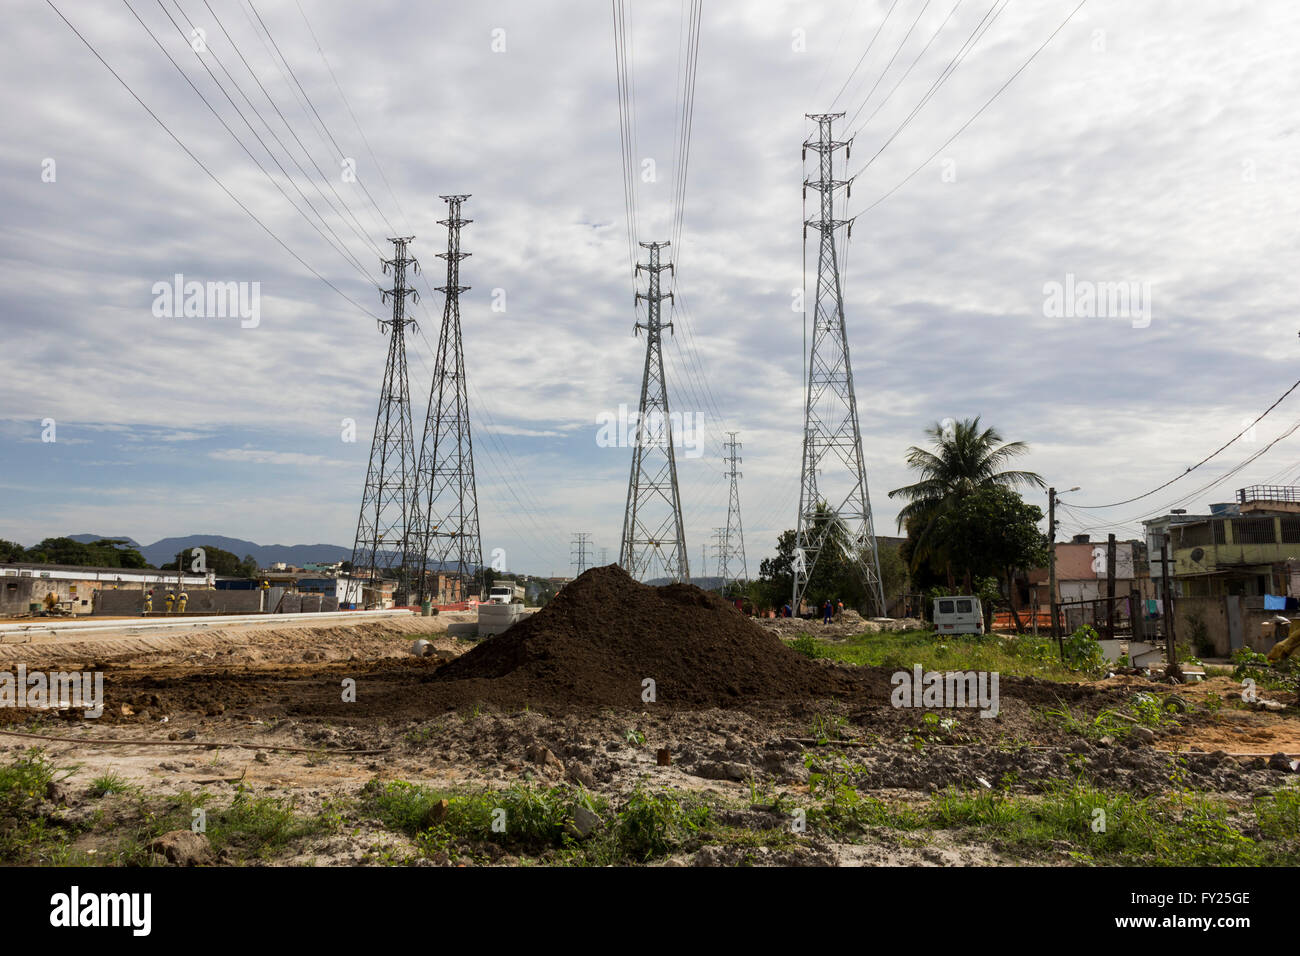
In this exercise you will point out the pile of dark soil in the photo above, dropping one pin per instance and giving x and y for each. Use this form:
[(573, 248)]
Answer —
[(605, 634)]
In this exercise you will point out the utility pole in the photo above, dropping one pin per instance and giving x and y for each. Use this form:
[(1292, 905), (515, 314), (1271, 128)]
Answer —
[(1168, 606), (834, 503), (388, 502), (653, 534), (1110, 587), (578, 551), (1051, 568), (733, 565), (447, 497)]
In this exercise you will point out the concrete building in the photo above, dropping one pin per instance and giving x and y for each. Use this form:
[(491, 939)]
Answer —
[(1232, 569), (1250, 548), (24, 584)]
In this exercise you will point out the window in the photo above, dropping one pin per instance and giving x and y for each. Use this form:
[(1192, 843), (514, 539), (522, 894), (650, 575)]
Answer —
[(1253, 531), (1194, 536), (1291, 530), (945, 607), (963, 607)]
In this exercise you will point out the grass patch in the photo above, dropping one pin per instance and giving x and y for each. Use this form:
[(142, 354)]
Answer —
[(26, 838), (108, 783), (1093, 825), (1015, 656)]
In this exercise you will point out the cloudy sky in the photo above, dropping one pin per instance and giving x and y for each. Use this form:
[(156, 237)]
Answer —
[(1149, 144)]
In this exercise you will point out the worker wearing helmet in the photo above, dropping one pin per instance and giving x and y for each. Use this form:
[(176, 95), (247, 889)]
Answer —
[(181, 602), (148, 602)]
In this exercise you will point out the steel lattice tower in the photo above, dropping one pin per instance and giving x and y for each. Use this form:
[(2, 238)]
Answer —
[(831, 432), (578, 551), (653, 535), (733, 542), (448, 500), (383, 541)]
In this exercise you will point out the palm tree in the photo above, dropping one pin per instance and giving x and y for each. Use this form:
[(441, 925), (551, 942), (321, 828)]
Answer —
[(965, 459)]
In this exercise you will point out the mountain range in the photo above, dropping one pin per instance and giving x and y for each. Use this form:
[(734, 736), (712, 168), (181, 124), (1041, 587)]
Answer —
[(166, 549)]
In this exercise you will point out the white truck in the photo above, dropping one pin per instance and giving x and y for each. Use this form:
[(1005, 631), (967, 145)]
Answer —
[(506, 592), (959, 614)]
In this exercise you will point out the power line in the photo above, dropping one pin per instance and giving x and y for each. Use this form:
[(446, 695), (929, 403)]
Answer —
[(324, 125), (1192, 495), (341, 246), (946, 143), (916, 59), (897, 50), (1210, 456), (292, 132), (987, 21), (211, 175), (856, 66)]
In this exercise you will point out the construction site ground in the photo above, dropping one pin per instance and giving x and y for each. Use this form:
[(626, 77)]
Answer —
[(248, 730)]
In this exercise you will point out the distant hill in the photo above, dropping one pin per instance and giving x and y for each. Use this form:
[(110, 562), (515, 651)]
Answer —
[(165, 550)]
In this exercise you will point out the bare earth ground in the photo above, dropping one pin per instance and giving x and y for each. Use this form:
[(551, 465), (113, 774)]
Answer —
[(195, 706)]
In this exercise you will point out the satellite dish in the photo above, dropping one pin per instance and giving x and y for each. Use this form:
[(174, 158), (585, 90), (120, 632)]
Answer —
[(1197, 554)]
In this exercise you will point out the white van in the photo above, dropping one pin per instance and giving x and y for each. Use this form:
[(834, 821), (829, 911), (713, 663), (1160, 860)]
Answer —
[(960, 614)]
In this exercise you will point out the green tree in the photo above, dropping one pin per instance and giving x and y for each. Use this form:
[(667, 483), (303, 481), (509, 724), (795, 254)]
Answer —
[(835, 575), (963, 459), (116, 553), (11, 551), (894, 577), (776, 574), (992, 533), (216, 560)]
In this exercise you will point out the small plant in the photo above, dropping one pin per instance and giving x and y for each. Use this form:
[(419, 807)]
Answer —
[(634, 738), (1083, 651), (655, 824), (108, 783), (1106, 723), (826, 729), (809, 646)]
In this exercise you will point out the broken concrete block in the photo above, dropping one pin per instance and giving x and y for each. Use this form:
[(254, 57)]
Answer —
[(584, 821)]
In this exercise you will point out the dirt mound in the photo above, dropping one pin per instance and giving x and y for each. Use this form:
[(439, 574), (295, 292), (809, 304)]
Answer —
[(605, 634)]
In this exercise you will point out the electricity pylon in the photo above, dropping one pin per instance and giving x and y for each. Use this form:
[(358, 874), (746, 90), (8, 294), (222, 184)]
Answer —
[(382, 542), (448, 501), (578, 551), (653, 535), (834, 504), (732, 565)]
